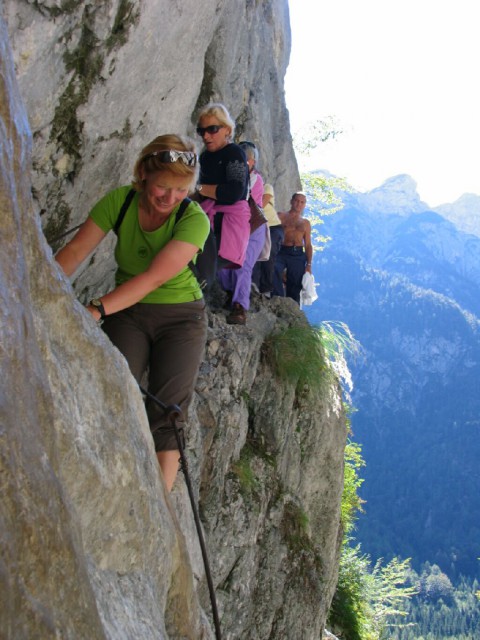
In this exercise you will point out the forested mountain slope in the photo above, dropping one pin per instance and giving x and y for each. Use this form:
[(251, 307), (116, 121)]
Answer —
[(408, 286)]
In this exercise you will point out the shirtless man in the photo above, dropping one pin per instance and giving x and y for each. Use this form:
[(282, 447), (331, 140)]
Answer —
[(295, 255)]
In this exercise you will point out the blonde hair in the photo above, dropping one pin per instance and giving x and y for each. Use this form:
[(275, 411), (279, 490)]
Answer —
[(148, 163), (220, 112)]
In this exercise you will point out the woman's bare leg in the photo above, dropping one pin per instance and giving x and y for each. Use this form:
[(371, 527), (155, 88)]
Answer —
[(169, 464)]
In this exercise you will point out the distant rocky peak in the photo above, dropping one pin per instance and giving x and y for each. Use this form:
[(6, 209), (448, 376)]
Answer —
[(397, 195), (464, 213)]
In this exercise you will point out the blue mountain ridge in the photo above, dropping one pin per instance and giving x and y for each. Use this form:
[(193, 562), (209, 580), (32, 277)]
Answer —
[(408, 286)]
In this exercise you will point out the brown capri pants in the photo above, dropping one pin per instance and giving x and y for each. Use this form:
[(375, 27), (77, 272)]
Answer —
[(169, 341)]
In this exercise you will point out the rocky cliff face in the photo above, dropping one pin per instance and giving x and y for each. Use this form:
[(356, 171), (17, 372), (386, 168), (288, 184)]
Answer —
[(100, 80), (91, 545), (464, 213), (397, 195)]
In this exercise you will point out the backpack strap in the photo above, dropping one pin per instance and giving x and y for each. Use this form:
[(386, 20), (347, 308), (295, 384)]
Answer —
[(181, 209), (191, 265), (123, 210)]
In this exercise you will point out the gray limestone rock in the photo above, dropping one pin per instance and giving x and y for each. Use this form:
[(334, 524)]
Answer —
[(100, 80), (464, 213), (397, 195), (92, 547)]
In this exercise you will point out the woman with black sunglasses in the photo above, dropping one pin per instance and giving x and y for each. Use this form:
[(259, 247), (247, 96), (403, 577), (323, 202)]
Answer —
[(223, 185), (156, 313), (238, 282)]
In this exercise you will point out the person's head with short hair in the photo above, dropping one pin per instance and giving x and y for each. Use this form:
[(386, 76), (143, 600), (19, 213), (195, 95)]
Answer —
[(298, 202), (169, 153), (165, 173), (299, 193), (251, 153), (216, 126)]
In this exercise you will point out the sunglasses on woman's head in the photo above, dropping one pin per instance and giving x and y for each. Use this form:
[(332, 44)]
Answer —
[(213, 128), (187, 157)]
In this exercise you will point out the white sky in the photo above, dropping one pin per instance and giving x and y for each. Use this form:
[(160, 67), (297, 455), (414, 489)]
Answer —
[(402, 77)]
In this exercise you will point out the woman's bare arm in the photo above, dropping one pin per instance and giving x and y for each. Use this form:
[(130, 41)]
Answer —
[(266, 199), (80, 247)]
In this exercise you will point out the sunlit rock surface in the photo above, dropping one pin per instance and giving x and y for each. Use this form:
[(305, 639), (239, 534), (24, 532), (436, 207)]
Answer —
[(91, 545), (100, 80), (397, 195), (464, 213)]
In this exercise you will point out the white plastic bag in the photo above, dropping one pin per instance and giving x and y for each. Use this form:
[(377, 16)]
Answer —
[(267, 247), (308, 294)]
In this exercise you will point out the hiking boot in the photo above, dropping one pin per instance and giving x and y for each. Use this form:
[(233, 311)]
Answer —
[(237, 315)]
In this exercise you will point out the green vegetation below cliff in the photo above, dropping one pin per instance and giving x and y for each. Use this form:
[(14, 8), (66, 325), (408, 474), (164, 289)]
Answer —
[(440, 611)]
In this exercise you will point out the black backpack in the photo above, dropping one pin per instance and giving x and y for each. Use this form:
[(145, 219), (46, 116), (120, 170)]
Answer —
[(205, 268)]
